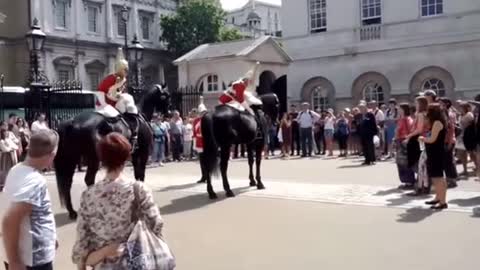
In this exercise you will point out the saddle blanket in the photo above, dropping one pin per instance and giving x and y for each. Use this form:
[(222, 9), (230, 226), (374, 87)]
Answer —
[(109, 111)]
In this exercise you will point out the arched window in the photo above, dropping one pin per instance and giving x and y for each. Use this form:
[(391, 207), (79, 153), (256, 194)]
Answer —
[(436, 85), (373, 91), (319, 98), (212, 83)]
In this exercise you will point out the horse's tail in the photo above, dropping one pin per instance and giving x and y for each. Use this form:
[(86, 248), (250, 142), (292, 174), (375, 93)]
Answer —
[(61, 160), (210, 147)]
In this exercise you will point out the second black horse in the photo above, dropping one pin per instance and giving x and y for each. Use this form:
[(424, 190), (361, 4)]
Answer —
[(227, 126)]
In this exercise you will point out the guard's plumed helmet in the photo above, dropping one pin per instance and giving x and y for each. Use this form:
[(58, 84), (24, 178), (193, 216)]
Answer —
[(120, 63)]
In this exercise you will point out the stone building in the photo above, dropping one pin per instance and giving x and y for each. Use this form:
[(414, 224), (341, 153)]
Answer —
[(83, 37), (256, 18), (344, 51)]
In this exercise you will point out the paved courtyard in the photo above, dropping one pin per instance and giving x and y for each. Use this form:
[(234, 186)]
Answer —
[(316, 213)]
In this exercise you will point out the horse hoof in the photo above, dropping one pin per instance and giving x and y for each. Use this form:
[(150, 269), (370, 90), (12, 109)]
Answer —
[(260, 186), (73, 215), (212, 196), (230, 194), (201, 181), (253, 183)]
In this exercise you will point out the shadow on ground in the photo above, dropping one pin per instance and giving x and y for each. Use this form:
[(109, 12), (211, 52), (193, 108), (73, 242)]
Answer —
[(388, 192), (62, 219), (466, 202), (414, 215), (196, 201)]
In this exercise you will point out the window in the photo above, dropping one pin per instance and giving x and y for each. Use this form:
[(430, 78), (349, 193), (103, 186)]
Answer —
[(61, 7), (63, 75), (121, 25), (94, 80), (373, 91), (432, 7), (319, 98), (92, 13), (371, 12), (318, 16), (212, 83), (436, 85), (145, 24)]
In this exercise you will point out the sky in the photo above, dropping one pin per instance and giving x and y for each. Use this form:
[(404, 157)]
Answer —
[(232, 4)]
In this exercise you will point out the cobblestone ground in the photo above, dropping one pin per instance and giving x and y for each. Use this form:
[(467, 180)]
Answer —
[(315, 214)]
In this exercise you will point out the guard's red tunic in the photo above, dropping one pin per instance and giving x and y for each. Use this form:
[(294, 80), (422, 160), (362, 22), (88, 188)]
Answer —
[(236, 93), (197, 134), (105, 86)]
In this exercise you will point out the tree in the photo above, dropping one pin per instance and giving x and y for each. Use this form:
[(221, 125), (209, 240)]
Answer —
[(195, 23), (229, 34)]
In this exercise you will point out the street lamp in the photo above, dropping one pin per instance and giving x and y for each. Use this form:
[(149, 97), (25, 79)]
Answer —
[(34, 98), (125, 16), (35, 40), (136, 55)]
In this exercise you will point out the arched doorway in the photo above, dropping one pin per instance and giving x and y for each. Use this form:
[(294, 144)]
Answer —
[(371, 86), (433, 78), (266, 81), (279, 87)]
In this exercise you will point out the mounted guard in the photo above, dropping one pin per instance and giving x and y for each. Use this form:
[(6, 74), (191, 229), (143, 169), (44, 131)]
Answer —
[(114, 86), (240, 94)]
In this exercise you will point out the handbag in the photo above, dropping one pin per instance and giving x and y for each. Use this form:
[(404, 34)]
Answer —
[(143, 249)]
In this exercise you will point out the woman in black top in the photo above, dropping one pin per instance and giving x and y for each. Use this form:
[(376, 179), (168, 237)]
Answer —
[(435, 148)]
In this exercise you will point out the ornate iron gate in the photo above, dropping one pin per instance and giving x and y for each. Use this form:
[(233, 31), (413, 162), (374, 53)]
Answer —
[(185, 99), (59, 102)]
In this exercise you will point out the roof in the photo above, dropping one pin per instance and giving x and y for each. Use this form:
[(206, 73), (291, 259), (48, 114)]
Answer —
[(253, 16), (230, 49), (257, 2)]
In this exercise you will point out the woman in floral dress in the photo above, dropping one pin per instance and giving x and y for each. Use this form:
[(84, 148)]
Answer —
[(106, 209)]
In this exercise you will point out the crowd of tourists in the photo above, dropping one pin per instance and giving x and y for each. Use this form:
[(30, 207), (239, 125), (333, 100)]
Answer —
[(14, 139), (427, 138)]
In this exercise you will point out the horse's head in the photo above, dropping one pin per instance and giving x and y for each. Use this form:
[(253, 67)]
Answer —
[(271, 105), (156, 99)]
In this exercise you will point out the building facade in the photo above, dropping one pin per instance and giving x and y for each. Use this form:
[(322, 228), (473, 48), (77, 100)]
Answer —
[(256, 18), (83, 37), (345, 51)]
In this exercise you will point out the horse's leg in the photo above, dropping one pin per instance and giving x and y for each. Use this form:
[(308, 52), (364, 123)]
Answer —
[(69, 170), (142, 165), (259, 149), (224, 156), (135, 159), (250, 164), (92, 168), (203, 169)]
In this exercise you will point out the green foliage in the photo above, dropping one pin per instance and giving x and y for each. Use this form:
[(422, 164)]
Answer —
[(229, 34), (196, 22)]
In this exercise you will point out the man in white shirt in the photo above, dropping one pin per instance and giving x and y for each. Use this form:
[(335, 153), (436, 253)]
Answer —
[(40, 124), (306, 118), (28, 225)]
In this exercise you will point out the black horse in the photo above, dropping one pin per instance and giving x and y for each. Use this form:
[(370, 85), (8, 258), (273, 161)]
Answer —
[(227, 126), (79, 136)]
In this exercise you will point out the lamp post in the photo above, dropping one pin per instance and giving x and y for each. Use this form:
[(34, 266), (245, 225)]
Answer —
[(34, 98), (125, 16), (136, 55), (35, 40)]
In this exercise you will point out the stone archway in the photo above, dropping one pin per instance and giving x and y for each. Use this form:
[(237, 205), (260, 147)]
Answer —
[(371, 86), (434, 78), (319, 92), (266, 80)]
